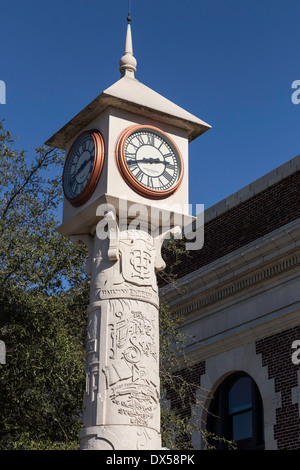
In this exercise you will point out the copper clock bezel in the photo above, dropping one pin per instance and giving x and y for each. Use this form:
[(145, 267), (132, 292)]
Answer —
[(129, 177), (91, 185)]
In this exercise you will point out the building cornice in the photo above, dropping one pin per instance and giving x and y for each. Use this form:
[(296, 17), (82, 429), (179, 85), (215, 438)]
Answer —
[(211, 292), (246, 282), (258, 261)]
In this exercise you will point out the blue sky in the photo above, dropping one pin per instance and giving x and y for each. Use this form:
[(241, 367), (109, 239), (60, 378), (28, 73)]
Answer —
[(229, 62)]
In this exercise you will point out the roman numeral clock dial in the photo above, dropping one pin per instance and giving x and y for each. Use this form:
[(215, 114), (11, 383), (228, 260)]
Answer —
[(149, 161), (83, 167)]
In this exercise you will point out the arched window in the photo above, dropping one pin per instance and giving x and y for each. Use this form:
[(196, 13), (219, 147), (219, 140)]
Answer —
[(236, 413)]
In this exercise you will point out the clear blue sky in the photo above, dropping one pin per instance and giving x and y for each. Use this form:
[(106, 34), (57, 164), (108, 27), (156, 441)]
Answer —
[(229, 62)]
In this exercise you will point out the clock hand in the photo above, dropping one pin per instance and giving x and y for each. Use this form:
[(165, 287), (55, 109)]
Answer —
[(146, 160), (83, 165)]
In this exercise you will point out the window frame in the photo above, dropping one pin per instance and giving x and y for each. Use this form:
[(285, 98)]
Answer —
[(220, 422)]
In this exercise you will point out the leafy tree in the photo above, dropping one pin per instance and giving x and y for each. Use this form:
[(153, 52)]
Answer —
[(32, 254), (43, 292)]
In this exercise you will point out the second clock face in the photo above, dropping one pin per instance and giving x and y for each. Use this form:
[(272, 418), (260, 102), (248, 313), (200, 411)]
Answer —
[(83, 167), (150, 161)]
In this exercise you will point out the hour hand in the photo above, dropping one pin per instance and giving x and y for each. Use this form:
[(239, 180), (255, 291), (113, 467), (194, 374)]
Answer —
[(82, 166), (145, 160)]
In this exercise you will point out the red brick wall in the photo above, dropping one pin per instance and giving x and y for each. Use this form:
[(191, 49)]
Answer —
[(191, 377), (181, 392), (276, 355), (252, 219)]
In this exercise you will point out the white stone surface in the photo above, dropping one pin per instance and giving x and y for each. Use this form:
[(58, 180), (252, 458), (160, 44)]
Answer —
[(242, 296), (133, 96), (122, 396), (112, 188), (243, 358), (2, 352), (128, 62)]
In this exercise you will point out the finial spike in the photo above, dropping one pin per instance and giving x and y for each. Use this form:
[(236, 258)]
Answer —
[(128, 17), (128, 62)]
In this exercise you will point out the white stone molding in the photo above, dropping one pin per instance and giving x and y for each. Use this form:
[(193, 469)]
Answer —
[(261, 260), (242, 284), (244, 359), (87, 240), (2, 352), (240, 298), (296, 393)]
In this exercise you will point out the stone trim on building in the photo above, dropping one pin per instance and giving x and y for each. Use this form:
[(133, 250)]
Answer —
[(276, 355), (248, 292), (249, 281), (244, 359), (237, 225)]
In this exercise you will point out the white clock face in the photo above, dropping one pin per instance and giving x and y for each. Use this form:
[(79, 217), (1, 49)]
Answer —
[(79, 166), (153, 160)]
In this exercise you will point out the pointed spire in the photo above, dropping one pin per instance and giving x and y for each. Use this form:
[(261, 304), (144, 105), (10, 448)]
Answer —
[(128, 62)]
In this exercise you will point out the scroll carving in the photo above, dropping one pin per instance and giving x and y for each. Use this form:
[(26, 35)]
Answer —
[(122, 365), (132, 384)]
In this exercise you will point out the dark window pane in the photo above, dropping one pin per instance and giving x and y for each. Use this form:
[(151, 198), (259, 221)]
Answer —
[(240, 395), (236, 413), (242, 426)]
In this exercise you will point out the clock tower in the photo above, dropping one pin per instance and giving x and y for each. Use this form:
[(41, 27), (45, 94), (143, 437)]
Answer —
[(125, 185)]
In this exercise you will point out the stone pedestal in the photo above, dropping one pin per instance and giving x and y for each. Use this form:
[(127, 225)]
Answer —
[(121, 400)]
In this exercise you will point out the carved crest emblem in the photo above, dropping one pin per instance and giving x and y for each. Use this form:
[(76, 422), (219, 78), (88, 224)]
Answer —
[(141, 261), (138, 260)]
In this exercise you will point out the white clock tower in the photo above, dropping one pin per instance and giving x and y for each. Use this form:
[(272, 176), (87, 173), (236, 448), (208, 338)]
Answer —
[(125, 188)]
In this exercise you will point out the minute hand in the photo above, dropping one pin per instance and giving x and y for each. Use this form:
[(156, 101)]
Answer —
[(146, 160)]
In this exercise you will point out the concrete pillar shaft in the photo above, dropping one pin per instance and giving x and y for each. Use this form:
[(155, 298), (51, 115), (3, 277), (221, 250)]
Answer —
[(121, 400)]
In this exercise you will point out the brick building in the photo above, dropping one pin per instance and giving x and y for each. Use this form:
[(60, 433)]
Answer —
[(241, 307)]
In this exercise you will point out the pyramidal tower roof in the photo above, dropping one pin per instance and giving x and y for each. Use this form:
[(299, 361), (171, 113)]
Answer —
[(131, 95)]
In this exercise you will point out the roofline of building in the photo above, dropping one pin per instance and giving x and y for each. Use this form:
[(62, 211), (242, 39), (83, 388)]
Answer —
[(253, 188)]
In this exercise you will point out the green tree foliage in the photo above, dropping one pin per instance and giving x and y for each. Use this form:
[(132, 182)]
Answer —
[(32, 254), (43, 293)]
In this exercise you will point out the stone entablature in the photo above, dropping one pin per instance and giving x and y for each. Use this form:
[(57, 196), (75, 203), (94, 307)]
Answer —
[(241, 297), (237, 222)]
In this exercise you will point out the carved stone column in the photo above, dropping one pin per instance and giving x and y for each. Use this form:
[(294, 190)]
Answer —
[(121, 400)]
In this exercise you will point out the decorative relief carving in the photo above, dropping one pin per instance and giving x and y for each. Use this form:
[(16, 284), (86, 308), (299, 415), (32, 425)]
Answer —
[(132, 275), (91, 344), (141, 262), (132, 333), (131, 380), (92, 384), (126, 291), (143, 439), (122, 385), (138, 252), (87, 383)]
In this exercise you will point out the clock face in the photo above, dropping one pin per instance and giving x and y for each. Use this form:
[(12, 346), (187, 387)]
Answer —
[(83, 167), (149, 161)]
